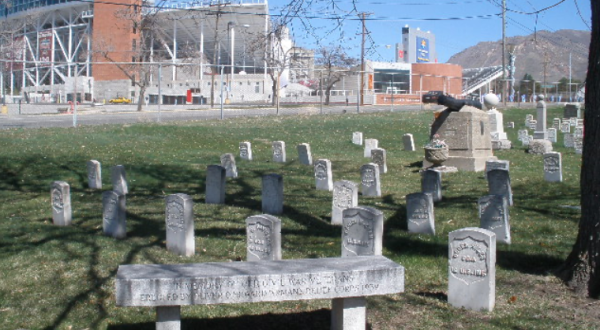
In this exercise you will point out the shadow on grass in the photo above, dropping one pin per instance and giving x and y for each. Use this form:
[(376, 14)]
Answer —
[(319, 319)]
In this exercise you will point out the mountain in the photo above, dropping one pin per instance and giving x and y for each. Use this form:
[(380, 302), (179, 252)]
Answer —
[(530, 53)]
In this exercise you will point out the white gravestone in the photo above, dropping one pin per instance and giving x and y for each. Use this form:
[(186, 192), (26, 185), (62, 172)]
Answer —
[(228, 162), (528, 118), (565, 127), (499, 184), (431, 182), (215, 184), (60, 194), (573, 121), (179, 218), (533, 124), (540, 128), (379, 157), (119, 179), (114, 222), (409, 142), (272, 194), (556, 123), (263, 238), (496, 125), (551, 133), (523, 133), (420, 216), (94, 173), (246, 150), (578, 144), (279, 152), (578, 131), (304, 154), (369, 145), (493, 216), (569, 141), (553, 167), (362, 231), (472, 269), (357, 138), (371, 185), (345, 195), (323, 176)]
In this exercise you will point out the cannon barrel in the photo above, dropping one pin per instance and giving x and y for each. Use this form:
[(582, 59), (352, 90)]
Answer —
[(455, 105)]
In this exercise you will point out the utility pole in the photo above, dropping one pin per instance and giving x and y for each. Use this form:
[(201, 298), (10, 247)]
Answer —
[(218, 14), (362, 57), (504, 51), (545, 72)]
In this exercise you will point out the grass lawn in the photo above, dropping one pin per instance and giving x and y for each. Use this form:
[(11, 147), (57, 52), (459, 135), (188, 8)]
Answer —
[(63, 277)]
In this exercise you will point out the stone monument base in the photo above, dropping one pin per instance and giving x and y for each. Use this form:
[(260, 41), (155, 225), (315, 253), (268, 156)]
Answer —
[(538, 135), (501, 144), (473, 164), (441, 169)]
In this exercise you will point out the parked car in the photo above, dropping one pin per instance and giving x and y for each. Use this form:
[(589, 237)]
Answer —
[(432, 96), (119, 100)]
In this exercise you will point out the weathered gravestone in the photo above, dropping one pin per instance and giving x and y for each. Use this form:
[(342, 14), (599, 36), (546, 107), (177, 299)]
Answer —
[(369, 145), (565, 127), (467, 134), (304, 154), (263, 238), (60, 194), (409, 142), (272, 194), (553, 167), (551, 133), (279, 152), (215, 184), (524, 136), (540, 128), (228, 162), (511, 124), (420, 216), (357, 138), (94, 174), (371, 185), (362, 231), (246, 150), (379, 157), (113, 214), (533, 124), (539, 147), (345, 195), (496, 164), (431, 182), (323, 176), (569, 141), (493, 216), (578, 144), (179, 218), (578, 132), (556, 123), (572, 110), (119, 180), (499, 184), (472, 269), (573, 121), (496, 118), (528, 118)]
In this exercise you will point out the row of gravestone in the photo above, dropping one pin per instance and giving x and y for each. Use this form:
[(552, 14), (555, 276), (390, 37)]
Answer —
[(571, 140)]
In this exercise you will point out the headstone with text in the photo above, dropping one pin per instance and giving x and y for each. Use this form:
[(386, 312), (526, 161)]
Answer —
[(569, 141), (228, 162), (553, 167), (493, 216), (246, 150), (263, 238), (304, 154), (323, 175), (94, 173), (499, 184), (362, 232), (272, 194), (379, 157), (179, 218), (551, 133), (119, 179), (556, 123), (420, 216), (60, 194), (357, 138), (371, 185), (345, 195), (278, 148), (565, 127), (113, 214)]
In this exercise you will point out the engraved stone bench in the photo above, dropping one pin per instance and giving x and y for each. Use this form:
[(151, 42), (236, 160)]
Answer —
[(168, 287)]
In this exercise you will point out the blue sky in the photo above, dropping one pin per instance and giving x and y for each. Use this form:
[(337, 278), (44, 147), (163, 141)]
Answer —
[(456, 24)]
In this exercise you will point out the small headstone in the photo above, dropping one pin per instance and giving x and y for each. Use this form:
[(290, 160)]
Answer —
[(263, 238), (569, 141), (420, 216), (345, 195), (578, 144), (540, 147), (378, 156), (113, 214), (323, 176), (304, 154), (579, 122), (496, 121), (357, 138), (472, 269), (532, 124), (118, 179), (511, 124), (179, 217), (523, 133), (371, 185), (565, 127), (369, 145), (272, 194), (495, 164), (215, 184), (493, 216), (572, 110), (228, 162), (60, 194), (573, 121), (431, 182), (551, 133), (362, 232), (501, 144), (246, 150), (528, 118), (409, 142), (553, 167), (499, 184), (94, 172), (556, 123), (578, 131), (279, 152)]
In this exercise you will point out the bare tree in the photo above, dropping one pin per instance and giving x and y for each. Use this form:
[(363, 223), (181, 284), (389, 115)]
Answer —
[(334, 63), (581, 270)]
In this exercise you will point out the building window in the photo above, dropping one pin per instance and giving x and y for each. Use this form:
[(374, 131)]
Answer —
[(134, 45)]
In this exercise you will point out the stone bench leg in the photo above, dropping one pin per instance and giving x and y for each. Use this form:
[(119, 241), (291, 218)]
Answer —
[(349, 313), (168, 318)]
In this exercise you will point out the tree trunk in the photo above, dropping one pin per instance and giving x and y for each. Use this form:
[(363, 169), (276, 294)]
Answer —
[(581, 270), (141, 98), (327, 94)]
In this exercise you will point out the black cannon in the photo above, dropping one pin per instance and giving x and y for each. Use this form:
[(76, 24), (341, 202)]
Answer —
[(455, 105)]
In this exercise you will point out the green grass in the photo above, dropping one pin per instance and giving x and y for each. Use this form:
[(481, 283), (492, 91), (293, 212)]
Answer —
[(63, 277)]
